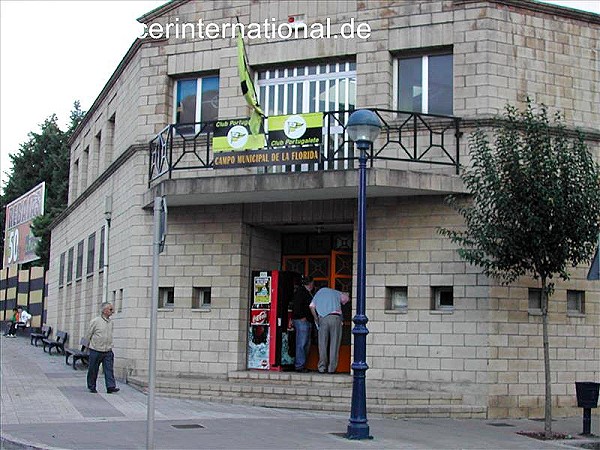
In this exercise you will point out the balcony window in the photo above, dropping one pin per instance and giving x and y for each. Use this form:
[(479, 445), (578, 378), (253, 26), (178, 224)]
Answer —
[(424, 84), (307, 89), (197, 100)]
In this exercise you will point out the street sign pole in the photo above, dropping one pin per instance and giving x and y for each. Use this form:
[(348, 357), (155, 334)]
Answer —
[(156, 244)]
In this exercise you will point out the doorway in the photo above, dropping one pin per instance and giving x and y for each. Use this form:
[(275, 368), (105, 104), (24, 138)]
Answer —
[(327, 257)]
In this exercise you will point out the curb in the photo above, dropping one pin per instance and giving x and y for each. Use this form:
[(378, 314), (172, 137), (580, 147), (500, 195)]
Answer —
[(25, 444)]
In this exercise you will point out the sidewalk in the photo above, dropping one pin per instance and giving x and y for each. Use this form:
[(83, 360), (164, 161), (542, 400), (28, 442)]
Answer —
[(45, 404)]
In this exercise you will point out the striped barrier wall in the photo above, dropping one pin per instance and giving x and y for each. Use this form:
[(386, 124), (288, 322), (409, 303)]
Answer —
[(26, 288)]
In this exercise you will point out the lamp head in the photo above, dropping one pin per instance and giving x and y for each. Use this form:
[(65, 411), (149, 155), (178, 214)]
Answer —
[(363, 126)]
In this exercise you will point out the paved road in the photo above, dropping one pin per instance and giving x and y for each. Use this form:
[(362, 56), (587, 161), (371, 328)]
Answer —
[(45, 404)]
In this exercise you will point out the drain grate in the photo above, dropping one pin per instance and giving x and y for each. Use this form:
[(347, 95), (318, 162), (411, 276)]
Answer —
[(187, 426), (500, 424)]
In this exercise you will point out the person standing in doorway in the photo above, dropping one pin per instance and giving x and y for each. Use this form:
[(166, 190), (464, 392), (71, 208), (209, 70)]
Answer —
[(100, 335), (303, 321), (326, 307)]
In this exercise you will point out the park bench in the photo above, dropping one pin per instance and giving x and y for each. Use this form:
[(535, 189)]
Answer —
[(24, 327), (82, 355), (58, 343), (45, 334)]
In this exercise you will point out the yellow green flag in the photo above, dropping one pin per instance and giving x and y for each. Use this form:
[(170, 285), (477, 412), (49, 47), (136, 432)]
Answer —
[(248, 88)]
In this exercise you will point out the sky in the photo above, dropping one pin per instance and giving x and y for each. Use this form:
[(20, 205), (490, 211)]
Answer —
[(55, 52)]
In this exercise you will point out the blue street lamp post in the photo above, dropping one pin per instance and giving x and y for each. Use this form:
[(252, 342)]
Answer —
[(363, 127)]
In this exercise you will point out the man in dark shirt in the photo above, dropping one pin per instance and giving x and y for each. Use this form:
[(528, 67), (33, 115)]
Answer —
[(303, 321)]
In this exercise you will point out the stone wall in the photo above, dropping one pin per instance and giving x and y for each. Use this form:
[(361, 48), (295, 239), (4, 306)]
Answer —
[(516, 368), (489, 343)]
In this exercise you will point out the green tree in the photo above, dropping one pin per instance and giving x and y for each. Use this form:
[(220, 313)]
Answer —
[(534, 208), (43, 157)]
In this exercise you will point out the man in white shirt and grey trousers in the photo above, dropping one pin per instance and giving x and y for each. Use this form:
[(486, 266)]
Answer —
[(100, 335), (326, 307)]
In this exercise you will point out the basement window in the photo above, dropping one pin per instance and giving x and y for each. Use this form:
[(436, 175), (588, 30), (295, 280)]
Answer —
[(442, 298), (534, 305), (397, 299), (575, 303), (166, 297), (201, 298)]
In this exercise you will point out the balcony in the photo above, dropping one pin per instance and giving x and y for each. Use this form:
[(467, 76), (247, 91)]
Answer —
[(416, 154)]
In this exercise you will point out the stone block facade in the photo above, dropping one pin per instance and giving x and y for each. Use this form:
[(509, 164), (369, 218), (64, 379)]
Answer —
[(486, 348)]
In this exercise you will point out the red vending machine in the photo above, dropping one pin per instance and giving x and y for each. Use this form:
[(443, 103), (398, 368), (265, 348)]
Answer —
[(271, 344)]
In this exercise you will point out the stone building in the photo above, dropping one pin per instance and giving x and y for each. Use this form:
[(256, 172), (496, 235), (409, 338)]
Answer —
[(436, 324)]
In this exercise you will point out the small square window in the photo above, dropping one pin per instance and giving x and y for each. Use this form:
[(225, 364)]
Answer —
[(443, 298), (166, 297), (535, 299), (575, 302), (201, 298), (397, 299)]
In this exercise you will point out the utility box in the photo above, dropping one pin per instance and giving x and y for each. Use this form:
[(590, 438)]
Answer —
[(587, 398)]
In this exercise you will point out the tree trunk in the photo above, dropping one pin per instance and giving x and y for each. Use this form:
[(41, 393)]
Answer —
[(548, 404)]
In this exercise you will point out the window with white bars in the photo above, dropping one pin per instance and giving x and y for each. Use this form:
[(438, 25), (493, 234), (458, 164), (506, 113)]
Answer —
[(313, 88)]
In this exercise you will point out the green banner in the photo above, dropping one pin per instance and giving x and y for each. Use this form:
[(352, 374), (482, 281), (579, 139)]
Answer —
[(296, 130), (248, 90), (234, 135), (293, 139)]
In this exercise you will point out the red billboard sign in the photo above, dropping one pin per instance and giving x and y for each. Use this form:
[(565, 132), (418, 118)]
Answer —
[(19, 241)]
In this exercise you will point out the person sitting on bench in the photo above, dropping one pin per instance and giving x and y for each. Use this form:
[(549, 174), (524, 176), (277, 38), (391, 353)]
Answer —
[(13, 324), (24, 318), (20, 319)]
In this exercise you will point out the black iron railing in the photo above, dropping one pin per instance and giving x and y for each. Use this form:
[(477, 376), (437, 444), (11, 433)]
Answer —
[(405, 137)]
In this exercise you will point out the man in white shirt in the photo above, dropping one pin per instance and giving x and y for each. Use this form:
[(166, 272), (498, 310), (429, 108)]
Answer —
[(24, 318), (326, 307), (100, 335)]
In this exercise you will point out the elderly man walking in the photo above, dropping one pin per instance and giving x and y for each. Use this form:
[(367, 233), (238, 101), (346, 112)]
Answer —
[(326, 307), (100, 335)]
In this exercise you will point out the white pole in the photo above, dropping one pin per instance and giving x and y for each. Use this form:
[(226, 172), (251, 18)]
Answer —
[(107, 217), (105, 266), (153, 316)]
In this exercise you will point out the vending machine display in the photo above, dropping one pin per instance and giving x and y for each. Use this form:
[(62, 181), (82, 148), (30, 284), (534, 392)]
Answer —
[(270, 333)]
